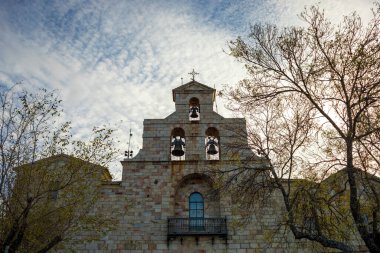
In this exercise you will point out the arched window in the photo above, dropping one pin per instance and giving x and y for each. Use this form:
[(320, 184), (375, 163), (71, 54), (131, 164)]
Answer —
[(194, 110), (177, 144), (196, 211), (212, 144)]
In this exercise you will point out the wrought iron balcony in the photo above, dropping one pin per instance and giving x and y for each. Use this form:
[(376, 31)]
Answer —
[(178, 227)]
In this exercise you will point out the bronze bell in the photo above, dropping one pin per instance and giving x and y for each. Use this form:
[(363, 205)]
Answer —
[(194, 112), (212, 150), (178, 143), (211, 147)]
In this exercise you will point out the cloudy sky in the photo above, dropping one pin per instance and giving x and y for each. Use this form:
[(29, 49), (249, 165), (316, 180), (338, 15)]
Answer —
[(119, 60)]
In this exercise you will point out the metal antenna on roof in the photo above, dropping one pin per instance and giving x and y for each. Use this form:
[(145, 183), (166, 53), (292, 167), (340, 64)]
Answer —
[(129, 153)]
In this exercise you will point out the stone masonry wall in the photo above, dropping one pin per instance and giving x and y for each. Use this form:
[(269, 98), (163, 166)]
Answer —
[(148, 198), (154, 188)]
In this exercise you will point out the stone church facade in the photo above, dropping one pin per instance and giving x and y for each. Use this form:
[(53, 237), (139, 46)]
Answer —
[(170, 203)]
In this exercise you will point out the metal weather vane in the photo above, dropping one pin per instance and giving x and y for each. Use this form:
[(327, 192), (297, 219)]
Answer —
[(129, 153), (193, 73)]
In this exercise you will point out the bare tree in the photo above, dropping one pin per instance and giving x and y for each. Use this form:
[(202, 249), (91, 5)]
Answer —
[(313, 99), (49, 181)]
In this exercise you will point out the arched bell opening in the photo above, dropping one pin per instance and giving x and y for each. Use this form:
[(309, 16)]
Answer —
[(177, 144), (194, 109), (212, 146)]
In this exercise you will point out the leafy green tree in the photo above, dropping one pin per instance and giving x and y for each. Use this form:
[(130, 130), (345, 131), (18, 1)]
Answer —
[(313, 103), (49, 181)]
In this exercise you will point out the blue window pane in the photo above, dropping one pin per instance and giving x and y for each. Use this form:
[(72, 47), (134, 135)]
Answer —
[(196, 205), (196, 197)]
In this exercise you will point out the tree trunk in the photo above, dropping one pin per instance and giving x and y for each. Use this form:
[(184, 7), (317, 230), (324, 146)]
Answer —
[(355, 204), (51, 244)]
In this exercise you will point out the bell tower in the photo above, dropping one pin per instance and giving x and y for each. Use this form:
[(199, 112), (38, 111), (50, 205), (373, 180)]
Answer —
[(193, 132), (168, 179), (194, 98)]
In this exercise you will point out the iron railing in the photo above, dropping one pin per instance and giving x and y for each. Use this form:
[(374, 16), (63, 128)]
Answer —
[(197, 226)]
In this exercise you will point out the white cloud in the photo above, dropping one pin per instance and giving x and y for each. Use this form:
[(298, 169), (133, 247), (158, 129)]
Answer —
[(286, 12), (113, 60)]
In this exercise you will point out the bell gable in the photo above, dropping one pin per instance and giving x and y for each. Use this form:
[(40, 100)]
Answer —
[(193, 87)]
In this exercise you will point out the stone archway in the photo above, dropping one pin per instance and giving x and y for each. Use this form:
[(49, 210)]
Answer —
[(191, 183)]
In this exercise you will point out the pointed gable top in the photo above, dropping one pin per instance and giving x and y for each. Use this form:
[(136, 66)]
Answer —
[(193, 87)]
